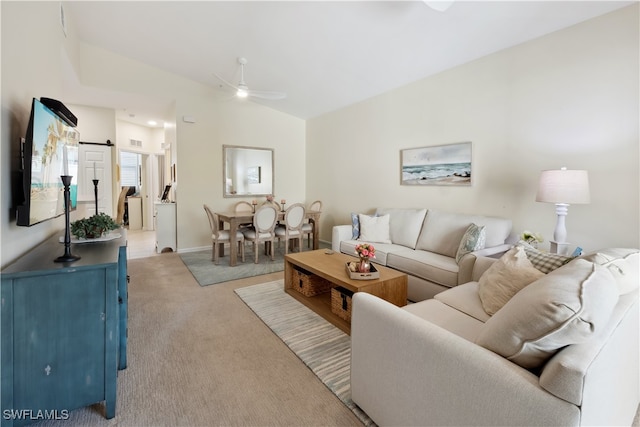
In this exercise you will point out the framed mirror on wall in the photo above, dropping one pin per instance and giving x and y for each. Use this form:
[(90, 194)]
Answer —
[(247, 171)]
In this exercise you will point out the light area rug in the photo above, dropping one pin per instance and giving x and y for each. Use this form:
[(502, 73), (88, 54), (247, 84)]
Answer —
[(325, 349), (207, 273)]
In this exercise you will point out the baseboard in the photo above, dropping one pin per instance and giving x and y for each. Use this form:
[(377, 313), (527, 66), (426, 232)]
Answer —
[(197, 249)]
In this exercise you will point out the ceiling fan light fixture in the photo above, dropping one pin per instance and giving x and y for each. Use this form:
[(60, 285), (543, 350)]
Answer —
[(242, 90)]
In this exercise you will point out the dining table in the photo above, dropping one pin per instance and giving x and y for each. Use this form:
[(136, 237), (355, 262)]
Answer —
[(235, 219)]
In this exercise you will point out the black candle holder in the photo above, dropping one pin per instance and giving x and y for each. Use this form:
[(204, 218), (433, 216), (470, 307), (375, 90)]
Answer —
[(67, 257), (95, 192)]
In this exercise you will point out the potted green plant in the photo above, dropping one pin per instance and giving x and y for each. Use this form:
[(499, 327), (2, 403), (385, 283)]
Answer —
[(93, 227)]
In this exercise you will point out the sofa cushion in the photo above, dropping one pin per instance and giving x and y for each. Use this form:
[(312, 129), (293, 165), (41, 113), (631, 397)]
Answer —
[(446, 317), (497, 229), (466, 299), (544, 261), (374, 229), (622, 263), (567, 306), (472, 240), (512, 272), (382, 250), (430, 266), (442, 231), (404, 225)]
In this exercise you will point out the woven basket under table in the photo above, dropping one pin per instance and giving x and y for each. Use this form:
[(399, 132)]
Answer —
[(341, 302), (309, 284)]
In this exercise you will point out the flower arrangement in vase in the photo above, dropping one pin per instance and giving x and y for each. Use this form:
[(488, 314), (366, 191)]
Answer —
[(531, 238), (365, 251)]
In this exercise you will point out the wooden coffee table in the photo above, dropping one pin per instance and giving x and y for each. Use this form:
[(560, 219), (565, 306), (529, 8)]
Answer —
[(391, 286)]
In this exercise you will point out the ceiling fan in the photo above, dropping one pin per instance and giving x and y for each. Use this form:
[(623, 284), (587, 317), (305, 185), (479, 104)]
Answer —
[(243, 91)]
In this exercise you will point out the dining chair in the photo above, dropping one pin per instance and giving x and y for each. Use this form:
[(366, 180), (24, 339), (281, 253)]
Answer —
[(273, 203), (264, 223), (221, 236), (243, 207), (292, 227), (120, 212), (308, 227)]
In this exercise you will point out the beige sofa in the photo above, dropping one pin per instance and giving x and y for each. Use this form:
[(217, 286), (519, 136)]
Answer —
[(564, 350), (424, 244)]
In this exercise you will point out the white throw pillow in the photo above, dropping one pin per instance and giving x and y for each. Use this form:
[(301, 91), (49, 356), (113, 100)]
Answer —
[(374, 229), (505, 278), (567, 306), (473, 240)]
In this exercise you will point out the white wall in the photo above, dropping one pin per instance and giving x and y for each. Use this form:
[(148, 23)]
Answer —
[(96, 124), (34, 52), (151, 138), (197, 149), (200, 162), (566, 99), (35, 57)]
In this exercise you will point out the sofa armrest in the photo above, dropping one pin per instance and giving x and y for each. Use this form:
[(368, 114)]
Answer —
[(471, 267), (408, 371), (338, 234), (481, 265), (494, 251), (465, 268)]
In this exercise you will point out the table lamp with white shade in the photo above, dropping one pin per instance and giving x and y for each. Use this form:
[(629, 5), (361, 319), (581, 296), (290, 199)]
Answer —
[(563, 187)]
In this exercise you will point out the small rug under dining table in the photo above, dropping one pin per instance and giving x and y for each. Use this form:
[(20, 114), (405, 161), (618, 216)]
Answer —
[(207, 273)]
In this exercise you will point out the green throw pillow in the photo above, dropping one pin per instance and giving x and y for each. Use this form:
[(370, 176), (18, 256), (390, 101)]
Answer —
[(474, 239)]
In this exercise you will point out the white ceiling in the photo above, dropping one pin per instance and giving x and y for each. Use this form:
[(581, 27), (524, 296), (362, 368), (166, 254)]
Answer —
[(324, 55)]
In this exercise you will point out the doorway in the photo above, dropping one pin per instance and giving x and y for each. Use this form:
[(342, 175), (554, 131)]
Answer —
[(145, 173), (131, 177)]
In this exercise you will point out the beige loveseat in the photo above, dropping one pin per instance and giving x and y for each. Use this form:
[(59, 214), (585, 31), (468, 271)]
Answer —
[(562, 351), (424, 244)]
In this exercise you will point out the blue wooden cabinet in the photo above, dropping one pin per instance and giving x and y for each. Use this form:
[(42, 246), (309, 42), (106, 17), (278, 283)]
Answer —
[(63, 330)]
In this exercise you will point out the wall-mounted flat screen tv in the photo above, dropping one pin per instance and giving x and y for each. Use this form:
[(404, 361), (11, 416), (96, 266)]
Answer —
[(50, 150)]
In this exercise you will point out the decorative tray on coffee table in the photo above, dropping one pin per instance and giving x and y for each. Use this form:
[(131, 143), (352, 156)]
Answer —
[(356, 275)]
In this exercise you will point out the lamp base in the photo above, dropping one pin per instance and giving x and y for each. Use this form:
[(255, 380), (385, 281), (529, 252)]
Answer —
[(67, 258), (560, 248)]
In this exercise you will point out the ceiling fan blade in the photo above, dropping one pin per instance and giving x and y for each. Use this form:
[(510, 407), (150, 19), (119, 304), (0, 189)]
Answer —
[(242, 91), (266, 94), (226, 82)]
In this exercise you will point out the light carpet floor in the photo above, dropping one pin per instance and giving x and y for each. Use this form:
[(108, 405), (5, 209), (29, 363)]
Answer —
[(325, 349), (198, 356)]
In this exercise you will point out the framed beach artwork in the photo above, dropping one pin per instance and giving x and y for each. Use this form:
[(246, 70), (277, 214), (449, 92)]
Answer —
[(437, 165)]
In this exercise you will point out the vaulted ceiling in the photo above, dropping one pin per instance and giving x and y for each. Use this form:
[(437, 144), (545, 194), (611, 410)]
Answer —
[(324, 55)]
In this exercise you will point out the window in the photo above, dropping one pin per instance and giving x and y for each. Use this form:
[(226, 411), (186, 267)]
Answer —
[(129, 169)]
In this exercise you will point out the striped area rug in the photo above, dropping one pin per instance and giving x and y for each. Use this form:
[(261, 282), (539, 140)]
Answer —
[(325, 349)]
